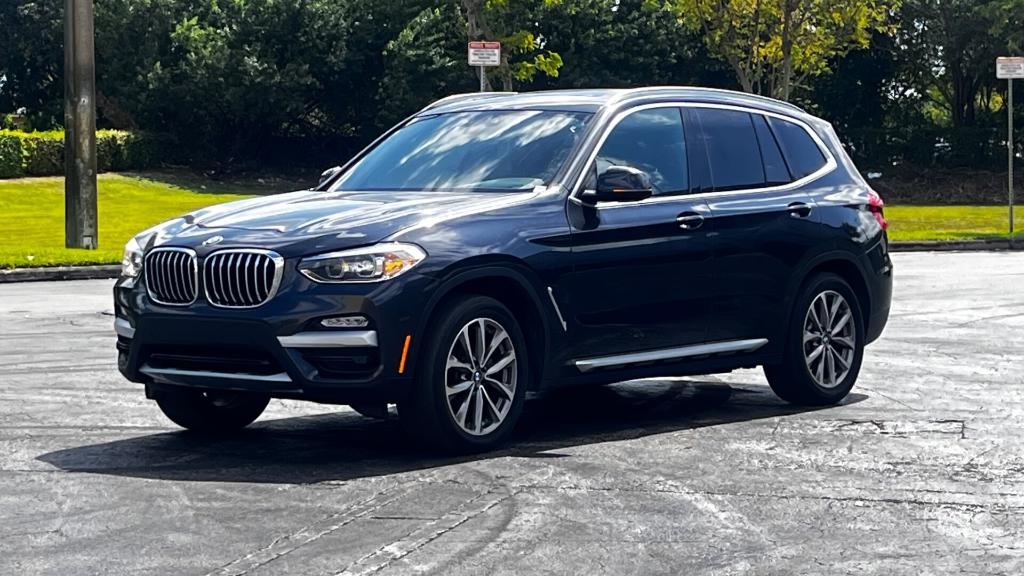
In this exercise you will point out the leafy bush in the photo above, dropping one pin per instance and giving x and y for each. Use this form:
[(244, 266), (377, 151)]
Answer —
[(10, 156), (42, 153), (139, 150), (108, 148)]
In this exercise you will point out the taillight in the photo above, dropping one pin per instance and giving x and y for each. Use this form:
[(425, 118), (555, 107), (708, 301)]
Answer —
[(877, 207)]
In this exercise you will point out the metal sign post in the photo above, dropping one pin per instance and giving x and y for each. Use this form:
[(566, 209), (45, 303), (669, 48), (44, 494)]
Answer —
[(482, 55), (1008, 69)]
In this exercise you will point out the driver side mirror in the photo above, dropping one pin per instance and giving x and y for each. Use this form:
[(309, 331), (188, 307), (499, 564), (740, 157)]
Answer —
[(327, 175), (620, 184)]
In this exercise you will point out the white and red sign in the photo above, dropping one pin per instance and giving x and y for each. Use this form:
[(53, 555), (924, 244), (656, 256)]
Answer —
[(1009, 67), (485, 53)]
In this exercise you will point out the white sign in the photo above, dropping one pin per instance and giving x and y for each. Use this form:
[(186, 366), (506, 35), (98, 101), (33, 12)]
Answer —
[(485, 53), (1007, 68)]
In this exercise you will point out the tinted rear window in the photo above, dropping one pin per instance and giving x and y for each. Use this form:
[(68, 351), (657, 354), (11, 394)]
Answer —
[(802, 154), (733, 153)]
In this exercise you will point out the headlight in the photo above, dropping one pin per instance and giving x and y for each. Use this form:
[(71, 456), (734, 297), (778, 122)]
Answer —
[(369, 264), (131, 263)]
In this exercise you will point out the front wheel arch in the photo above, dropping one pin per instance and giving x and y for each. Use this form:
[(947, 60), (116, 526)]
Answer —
[(512, 285)]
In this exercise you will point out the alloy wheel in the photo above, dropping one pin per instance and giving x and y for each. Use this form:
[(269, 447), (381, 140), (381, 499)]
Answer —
[(480, 376), (829, 339)]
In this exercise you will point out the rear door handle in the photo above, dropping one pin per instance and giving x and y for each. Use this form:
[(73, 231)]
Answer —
[(690, 220), (799, 210)]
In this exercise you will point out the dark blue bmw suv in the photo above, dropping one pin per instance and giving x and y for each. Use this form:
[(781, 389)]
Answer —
[(497, 244)]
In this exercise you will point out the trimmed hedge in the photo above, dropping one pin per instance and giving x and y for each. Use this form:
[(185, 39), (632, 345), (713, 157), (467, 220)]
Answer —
[(42, 153), (10, 156)]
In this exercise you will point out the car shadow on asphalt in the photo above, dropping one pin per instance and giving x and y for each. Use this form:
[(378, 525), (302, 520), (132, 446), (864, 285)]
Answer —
[(346, 446)]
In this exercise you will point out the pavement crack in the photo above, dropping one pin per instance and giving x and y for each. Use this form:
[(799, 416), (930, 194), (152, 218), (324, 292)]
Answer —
[(890, 398), (478, 505), (964, 506), (312, 532), (383, 556)]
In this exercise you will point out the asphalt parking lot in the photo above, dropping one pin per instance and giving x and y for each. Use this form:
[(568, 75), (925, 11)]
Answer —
[(920, 471)]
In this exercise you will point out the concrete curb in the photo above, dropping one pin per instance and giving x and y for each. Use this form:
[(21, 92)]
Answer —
[(107, 272), (104, 272), (956, 246)]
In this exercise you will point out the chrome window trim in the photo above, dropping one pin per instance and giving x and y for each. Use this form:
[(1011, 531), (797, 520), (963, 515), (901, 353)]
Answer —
[(276, 258), (588, 364), (330, 339), (195, 274), (830, 160)]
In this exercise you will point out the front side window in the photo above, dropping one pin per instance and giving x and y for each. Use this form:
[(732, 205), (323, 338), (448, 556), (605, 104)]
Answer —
[(482, 151), (649, 140)]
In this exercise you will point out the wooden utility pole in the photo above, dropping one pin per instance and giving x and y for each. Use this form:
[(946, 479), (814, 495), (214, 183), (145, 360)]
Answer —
[(80, 214)]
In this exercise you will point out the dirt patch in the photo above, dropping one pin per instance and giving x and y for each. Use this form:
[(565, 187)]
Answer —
[(929, 186)]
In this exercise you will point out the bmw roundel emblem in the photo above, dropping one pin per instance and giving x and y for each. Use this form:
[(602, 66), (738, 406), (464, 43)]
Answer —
[(213, 240)]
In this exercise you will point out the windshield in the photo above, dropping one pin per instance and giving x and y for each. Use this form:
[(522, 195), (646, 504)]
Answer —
[(469, 151)]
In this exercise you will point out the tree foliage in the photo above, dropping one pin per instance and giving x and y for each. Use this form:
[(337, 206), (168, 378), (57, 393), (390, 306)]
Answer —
[(774, 45), (32, 59), (948, 50), (275, 81)]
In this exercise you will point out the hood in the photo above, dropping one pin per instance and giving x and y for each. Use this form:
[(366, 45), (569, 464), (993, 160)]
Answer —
[(327, 220)]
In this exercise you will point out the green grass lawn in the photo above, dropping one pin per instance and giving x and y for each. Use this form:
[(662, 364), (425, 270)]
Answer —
[(32, 214), (920, 223)]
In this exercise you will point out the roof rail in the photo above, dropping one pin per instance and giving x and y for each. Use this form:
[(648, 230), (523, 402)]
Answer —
[(637, 92), (464, 97)]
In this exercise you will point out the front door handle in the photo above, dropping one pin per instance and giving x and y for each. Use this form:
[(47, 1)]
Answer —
[(690, 220), (799, 210)]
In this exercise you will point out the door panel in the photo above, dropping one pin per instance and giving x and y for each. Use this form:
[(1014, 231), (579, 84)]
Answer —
[(640, 280), (641, 275), (759, 243), (763, 231)]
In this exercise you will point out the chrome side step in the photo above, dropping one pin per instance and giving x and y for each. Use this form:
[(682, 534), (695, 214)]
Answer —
[(588, 364), (174, 375)]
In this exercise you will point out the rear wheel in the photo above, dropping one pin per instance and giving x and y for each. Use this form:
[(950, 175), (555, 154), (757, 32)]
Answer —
[(210, 411), (824, 345), (472, 378)]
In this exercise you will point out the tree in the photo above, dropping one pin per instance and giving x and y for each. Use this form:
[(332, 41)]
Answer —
[(625, 43), (948, 50), (515, 24), (425, 62), (32, 60), (776, 45)]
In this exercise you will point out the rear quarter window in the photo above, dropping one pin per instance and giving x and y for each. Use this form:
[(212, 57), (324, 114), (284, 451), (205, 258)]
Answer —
[(802, 153)]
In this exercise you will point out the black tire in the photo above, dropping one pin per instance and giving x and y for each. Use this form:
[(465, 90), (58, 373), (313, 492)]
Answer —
[(211, 412), (793, 380), (426, 414)]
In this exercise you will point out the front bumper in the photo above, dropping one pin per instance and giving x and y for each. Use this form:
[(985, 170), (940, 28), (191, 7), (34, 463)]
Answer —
[(279, 349)]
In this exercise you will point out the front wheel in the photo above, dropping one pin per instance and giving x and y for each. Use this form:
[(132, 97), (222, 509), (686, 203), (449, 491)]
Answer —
[(824, 345), (210, 411), (472, 378)]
